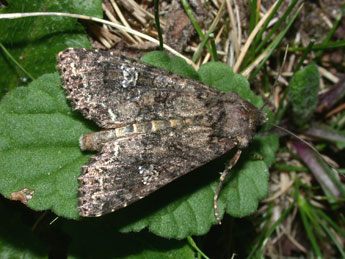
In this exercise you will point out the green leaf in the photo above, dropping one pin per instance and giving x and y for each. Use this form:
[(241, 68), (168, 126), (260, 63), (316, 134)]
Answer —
[(303, 89), (222, 77), (267, 151), (35, 41), (173, 64), (39, 151), (39, 146)]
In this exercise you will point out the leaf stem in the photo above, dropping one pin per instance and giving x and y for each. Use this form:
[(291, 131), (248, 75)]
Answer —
[(15, 62)]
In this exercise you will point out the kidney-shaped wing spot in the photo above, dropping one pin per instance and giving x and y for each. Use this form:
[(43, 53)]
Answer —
[(115, 90)]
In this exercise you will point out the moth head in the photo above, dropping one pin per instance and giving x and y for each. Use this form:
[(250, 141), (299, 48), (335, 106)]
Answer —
[(242, 119)]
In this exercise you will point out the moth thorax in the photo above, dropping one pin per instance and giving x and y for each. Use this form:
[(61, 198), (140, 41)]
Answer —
[(241, 121)]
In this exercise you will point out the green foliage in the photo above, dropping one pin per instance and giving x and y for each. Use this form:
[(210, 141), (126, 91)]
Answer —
[(173, 64), (223, 78), (39, 146), (303, 91), (35, 41), (39, 151)]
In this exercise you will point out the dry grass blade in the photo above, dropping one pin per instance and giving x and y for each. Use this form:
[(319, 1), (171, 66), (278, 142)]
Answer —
[(251, 38), (234, 32), (140, 9), (94, 19), (122, 18)]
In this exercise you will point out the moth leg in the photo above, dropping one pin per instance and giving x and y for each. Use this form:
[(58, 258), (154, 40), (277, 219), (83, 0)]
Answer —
[(256, 156), (232, 163)]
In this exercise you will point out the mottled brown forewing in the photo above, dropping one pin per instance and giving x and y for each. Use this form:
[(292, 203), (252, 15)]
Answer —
[(158, 126)]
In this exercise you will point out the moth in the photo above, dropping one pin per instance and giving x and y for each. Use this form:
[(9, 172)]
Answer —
[(157, 126)]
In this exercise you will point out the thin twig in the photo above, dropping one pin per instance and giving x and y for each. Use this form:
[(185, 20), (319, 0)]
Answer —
[(95, 19)]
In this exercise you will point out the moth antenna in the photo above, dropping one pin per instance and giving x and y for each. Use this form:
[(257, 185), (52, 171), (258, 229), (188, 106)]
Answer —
[(278, 75), (232, 163), (299, 138)]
